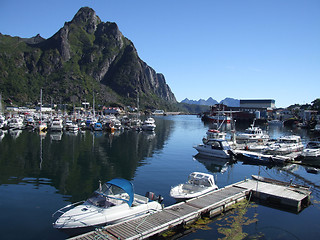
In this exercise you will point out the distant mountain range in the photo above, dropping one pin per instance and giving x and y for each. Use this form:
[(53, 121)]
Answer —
[(231, 102)]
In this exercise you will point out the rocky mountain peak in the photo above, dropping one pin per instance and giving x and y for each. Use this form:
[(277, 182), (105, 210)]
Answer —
[(87, 16)]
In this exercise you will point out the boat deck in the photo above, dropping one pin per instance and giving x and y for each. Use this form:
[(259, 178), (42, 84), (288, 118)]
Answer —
[(210, 204)]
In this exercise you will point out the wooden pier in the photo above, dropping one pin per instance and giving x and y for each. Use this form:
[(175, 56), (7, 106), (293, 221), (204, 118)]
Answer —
[(211, 204)]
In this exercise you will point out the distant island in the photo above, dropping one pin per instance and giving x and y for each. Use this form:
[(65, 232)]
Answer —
[(230, 102)]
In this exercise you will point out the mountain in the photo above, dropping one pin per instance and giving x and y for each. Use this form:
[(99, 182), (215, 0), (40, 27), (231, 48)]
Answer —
[(85, 57), (231, 102), (210, 101)]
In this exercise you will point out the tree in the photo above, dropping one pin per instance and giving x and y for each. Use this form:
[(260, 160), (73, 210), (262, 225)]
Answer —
[(316, 104)]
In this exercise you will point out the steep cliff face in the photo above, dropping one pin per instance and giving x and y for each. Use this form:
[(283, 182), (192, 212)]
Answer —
[(85, 55)]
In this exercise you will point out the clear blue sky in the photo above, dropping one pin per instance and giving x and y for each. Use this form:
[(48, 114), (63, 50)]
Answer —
[(244, 49)]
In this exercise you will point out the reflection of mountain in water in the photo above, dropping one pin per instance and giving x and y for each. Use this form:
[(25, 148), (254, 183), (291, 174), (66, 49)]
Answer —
[(214, 165), (77, 162)]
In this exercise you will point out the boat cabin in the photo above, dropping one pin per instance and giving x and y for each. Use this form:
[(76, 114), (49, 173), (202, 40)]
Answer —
[(219, 144), (197, 178)]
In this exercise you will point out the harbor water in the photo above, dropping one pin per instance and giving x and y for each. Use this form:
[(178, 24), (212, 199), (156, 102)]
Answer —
[(41, 173)]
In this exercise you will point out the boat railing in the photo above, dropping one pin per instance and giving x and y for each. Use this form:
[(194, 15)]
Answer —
[(65, 207)]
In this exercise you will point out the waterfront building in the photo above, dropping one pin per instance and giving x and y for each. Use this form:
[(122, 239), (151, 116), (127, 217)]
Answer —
[(257, 103)]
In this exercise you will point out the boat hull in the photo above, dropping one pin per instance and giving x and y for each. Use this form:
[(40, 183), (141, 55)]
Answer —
[(86, 217), (208, 151), (185, 192)]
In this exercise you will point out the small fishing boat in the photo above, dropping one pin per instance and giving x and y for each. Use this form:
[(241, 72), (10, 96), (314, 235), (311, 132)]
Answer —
[(197, 185), (218, 148), (253, 134), (113, 202)]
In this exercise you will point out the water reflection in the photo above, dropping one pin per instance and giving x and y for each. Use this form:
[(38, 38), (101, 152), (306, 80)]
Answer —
[(213, 165), (76, 162), (73, 164)]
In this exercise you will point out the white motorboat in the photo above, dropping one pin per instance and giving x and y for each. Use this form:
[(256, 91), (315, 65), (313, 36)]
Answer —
[(73, 128), (56, 124), (197, 185), (3, 122), (15, 123), (285, 145), (311, 151), (218, 148), (149, 124), (111, 203), (252, 134)]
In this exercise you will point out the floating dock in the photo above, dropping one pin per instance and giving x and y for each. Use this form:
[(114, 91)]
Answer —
[(267, 158), (211, 204)]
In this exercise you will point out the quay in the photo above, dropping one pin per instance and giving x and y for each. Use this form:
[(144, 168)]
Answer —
[(212, 204)]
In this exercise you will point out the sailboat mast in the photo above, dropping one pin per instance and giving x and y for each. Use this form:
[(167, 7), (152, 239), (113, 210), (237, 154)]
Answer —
[(40, 105)]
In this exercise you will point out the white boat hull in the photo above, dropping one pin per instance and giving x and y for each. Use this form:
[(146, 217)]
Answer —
[(187, 191), (208, 151)]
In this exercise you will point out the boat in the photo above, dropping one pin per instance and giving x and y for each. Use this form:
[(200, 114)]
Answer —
[(198, 184), (113, 202), (220, 117), (149, 124), (253, 134), (73, 128), (255, 158), (56, 124), (3, 122), (311, 151), (215, 134), (285, 145), (97, 126), (15, 123), (218, 148)]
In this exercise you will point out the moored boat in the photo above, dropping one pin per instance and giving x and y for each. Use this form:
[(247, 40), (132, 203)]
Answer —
[(311, 151), (285, 145), (218, 148), (198, 184), (149, 124), (56, 124), (113, 202), (252, 134)]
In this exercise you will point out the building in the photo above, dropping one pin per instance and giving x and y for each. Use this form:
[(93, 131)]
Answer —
[(258, 103)]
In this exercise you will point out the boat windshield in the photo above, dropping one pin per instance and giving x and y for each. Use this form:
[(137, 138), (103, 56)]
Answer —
[(313, 145), (225, 145), (108, 195)]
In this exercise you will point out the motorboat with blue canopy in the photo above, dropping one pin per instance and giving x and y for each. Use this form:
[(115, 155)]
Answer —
[(113, 202)]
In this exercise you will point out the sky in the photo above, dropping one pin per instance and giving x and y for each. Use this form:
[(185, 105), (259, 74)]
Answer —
[(243, 49)]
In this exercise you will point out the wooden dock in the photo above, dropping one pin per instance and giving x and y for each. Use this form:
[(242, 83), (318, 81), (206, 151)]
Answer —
[(211, 204)]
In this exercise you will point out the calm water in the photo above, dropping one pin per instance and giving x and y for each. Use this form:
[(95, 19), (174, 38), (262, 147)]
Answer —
[(40, 174)]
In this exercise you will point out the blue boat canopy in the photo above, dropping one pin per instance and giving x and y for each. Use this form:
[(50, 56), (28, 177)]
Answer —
[(124, 185)]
